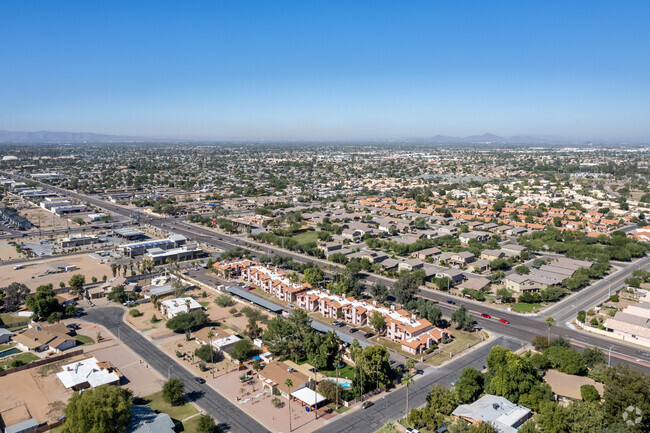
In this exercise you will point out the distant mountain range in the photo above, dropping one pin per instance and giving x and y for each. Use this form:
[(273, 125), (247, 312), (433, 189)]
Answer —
[(90, 137), (492, 138), (63, 137)]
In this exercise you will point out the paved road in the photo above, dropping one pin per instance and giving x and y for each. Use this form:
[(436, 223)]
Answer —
[(226, 413), (524, 329), (393, 405), (521, 327)]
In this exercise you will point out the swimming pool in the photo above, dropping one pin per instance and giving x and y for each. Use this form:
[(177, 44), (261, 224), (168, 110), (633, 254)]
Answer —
[(345, 383), (9, 352)]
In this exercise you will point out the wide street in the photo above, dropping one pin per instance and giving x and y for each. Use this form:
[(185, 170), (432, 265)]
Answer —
[(393, 404), (228, 415)]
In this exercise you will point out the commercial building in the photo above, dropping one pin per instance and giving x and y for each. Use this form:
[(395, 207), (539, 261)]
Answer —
[(186, 252), (74, 241), (12, 219), (140, 248)]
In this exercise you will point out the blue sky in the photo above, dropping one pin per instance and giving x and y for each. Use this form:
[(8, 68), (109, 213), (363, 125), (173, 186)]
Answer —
[(327, 69)]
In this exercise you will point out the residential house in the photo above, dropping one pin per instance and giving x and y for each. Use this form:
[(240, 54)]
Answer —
[(492, 254), (173, 307), (478, 236), (426, 253), (39, 338), (410, 265), (567, 386), (505, 416), (88, 373), (274, 375), (146, 420)]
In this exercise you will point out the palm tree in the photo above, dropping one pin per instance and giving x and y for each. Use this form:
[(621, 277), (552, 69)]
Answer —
[(289, 383), (389, 427), (407, 379), (549, 321), (410, 364), (210, 335)]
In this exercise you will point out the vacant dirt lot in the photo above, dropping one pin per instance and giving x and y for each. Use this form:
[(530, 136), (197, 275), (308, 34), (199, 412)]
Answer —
[(48, 220), (34, 273), (34, 392)]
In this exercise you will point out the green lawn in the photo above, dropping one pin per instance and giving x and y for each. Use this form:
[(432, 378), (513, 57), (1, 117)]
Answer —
[(84, 340), (189, 426), (156, 402), (26, 357), (525, 308), (306, 237), (8, 319), (459, 345), (6, 346), (347, 371)]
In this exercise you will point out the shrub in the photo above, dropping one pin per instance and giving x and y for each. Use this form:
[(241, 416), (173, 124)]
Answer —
[(277, 403), (614, 298), (154, 319), (224, 300), (135, 313), (582, 316)]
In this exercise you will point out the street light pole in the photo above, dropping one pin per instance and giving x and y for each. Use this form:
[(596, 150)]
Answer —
[(609, 360), (168, 374)]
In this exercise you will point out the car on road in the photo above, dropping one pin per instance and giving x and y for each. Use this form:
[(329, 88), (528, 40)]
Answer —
[(486, 316), (199, 380), (504, 321), (367, 404), (451, 302), (353, 330), (643, 353), (368, 335)]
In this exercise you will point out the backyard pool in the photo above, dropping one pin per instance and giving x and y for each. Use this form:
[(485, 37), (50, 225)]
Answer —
[(345, 383), (9, 352)]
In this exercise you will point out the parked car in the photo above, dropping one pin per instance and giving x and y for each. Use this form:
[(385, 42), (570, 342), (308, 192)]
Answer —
[(504, 321), (338, 323), (367, 404), (368, 335), (353, 330), (486, 316)]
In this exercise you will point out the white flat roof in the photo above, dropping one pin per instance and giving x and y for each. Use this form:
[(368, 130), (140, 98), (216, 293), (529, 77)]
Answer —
[(178, 305), (83, 371)]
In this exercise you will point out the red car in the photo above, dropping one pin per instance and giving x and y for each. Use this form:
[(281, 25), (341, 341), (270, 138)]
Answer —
[(504, 321), (486, 316)]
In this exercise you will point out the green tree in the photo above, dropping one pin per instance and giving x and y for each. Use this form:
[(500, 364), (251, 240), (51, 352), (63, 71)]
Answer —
[(206, 424), (243, 349), (104, 409), (593, 356), (314, 276), (442, 400), (42, 303), (12, 296), (76, 283), (462, 319), (377, 321), (549, 322), (509, 375), (407, 379), (205, 352), (589, 393), (224, 300), (553, 418), (626, 387), (289, 384), (566, 360), (380, 292), (405, 287), (469, 386), (173, 391)]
